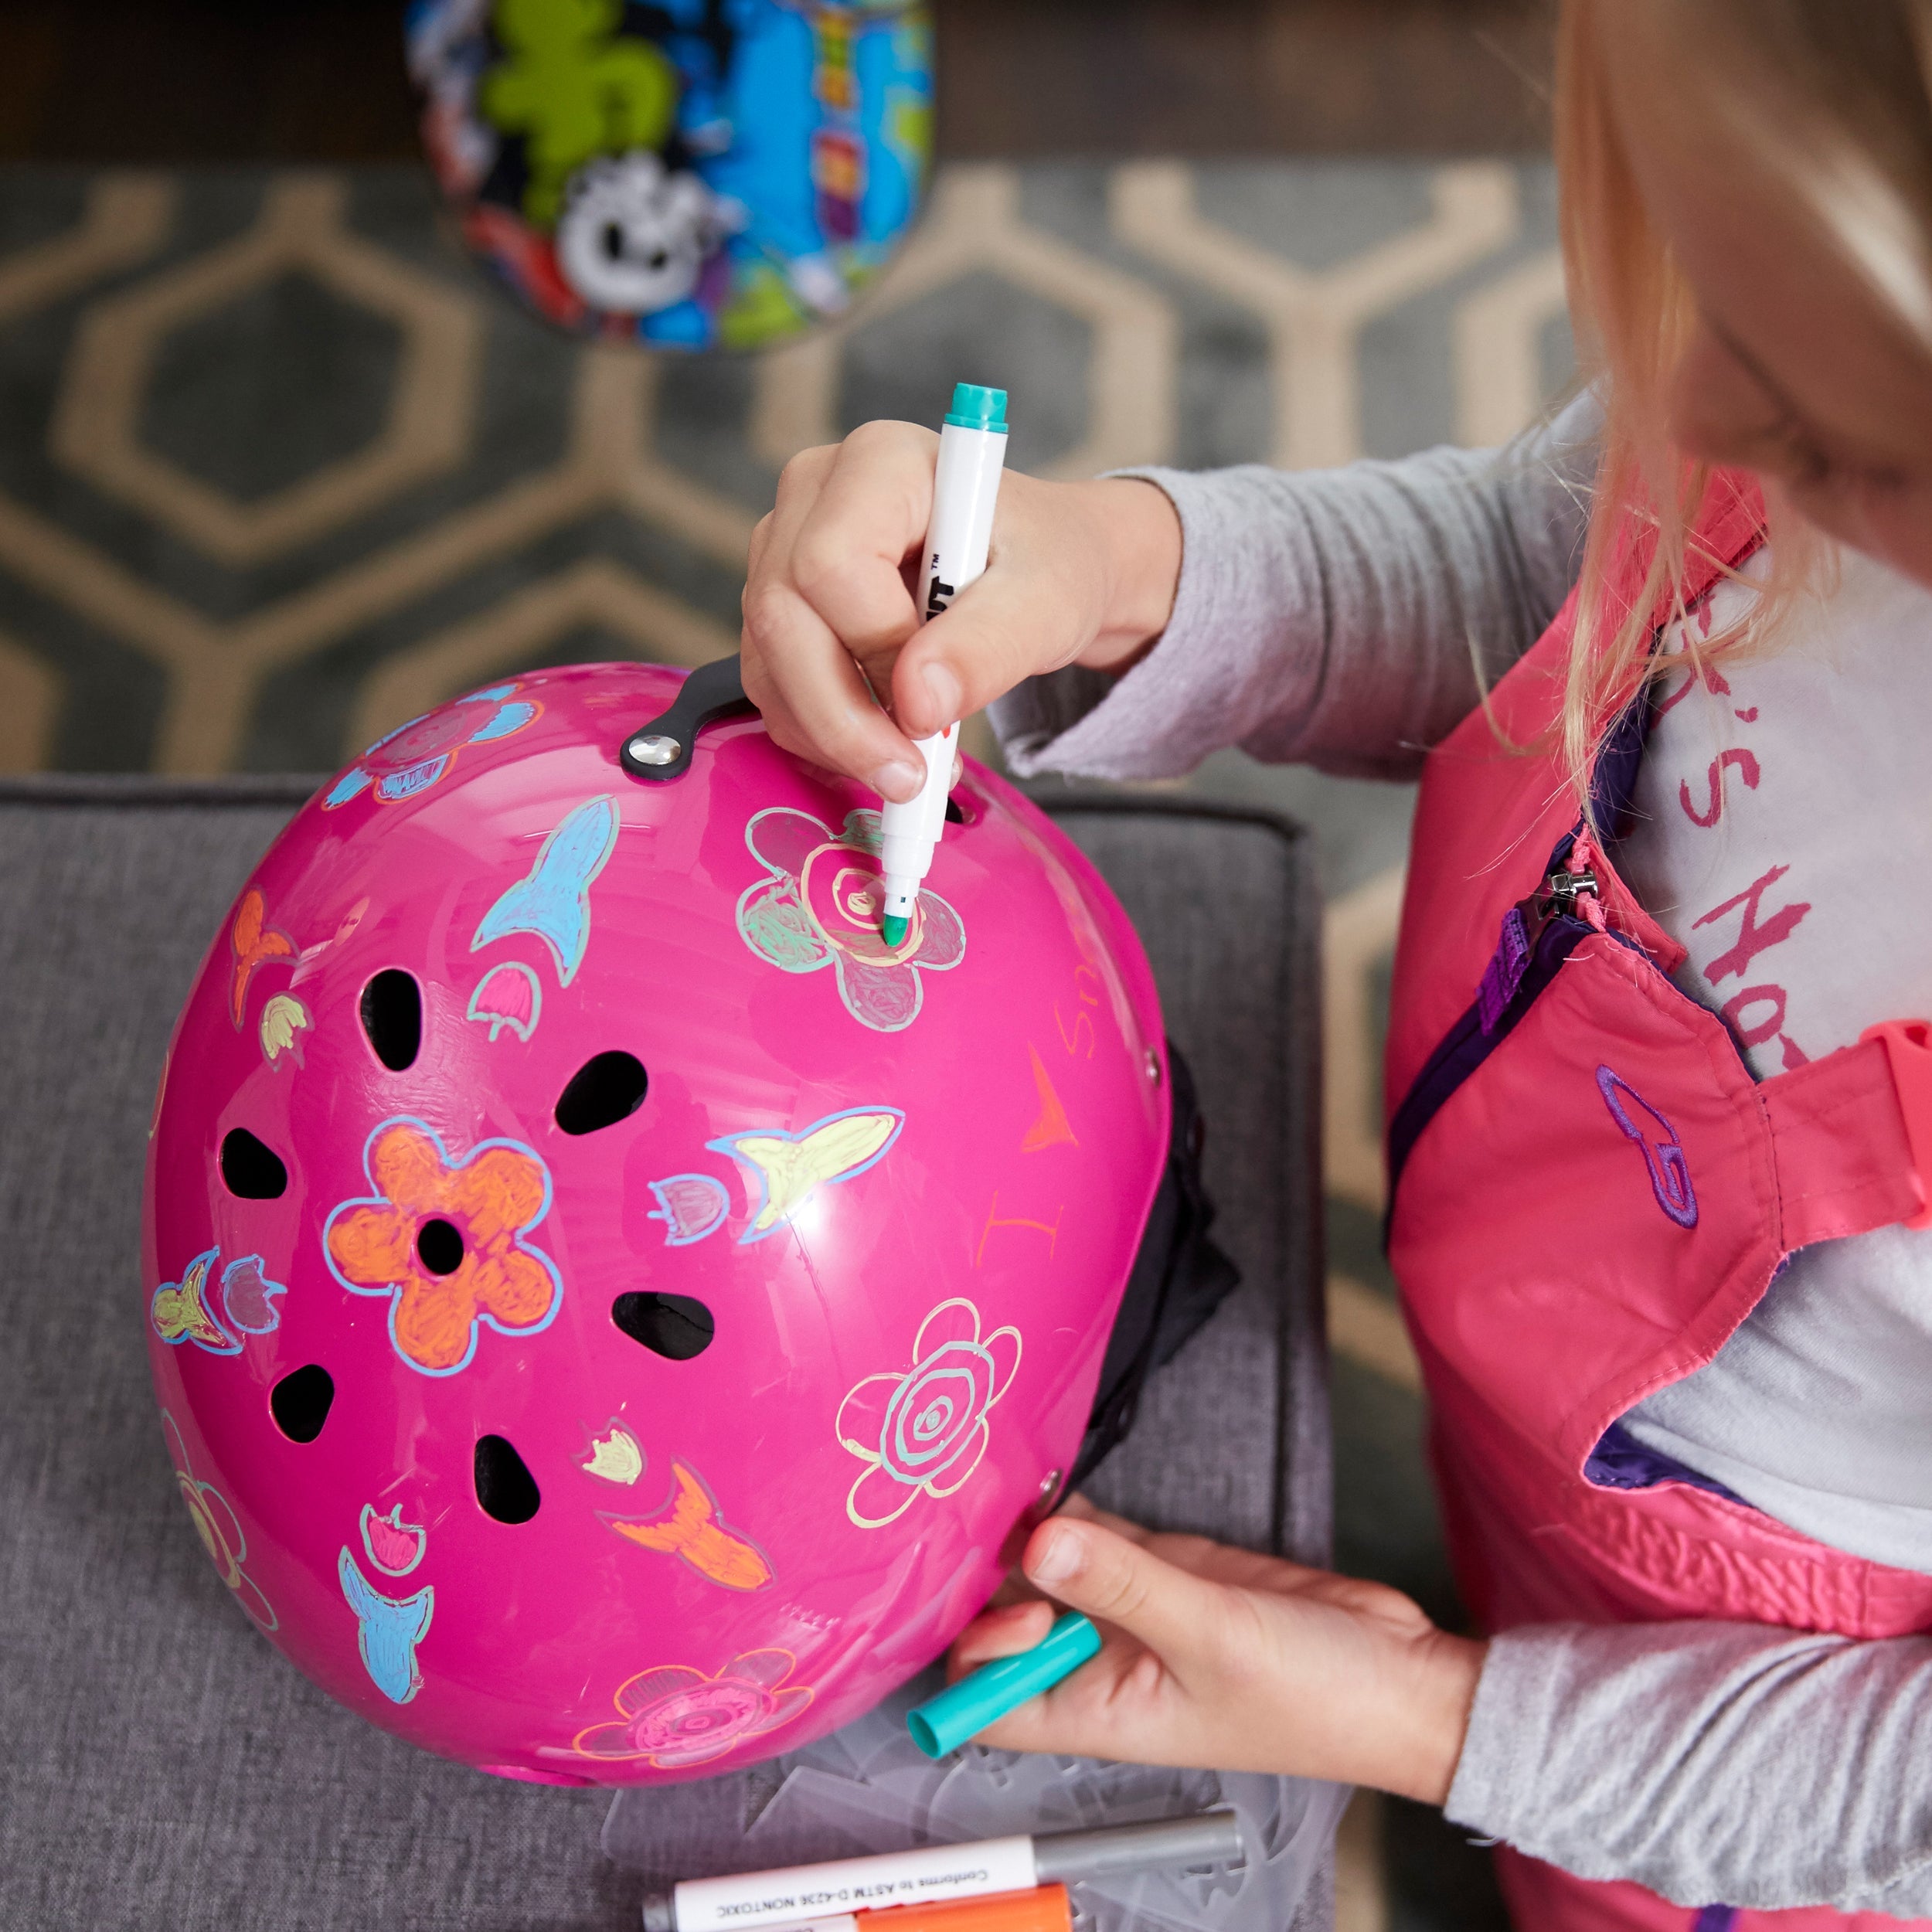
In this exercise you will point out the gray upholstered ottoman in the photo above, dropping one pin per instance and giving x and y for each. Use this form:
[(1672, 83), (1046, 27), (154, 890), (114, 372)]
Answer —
[(160, 1767)]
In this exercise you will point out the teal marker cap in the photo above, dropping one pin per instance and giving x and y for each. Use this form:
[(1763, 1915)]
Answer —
[(944, 1722), (974, 408)]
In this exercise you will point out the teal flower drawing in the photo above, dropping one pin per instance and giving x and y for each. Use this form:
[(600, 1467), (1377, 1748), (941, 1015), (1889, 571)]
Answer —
[(819, 906), (921, 1431)]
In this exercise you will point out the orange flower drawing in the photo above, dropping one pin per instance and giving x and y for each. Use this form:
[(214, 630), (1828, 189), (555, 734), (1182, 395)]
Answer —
[(444, 1241)]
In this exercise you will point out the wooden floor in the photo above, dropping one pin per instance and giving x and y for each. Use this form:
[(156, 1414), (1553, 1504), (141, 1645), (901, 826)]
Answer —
[(215, 80)]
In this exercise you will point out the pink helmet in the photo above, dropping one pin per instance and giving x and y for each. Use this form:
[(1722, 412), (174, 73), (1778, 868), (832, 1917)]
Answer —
[(612, 1314)]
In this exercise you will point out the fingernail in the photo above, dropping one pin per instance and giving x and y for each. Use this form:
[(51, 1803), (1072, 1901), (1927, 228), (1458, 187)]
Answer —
[(898, 779), (943, 687), (1057, 1559)]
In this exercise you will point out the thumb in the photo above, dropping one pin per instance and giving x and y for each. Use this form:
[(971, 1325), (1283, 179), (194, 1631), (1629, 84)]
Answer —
[(1094, 1569), (1002, 629)]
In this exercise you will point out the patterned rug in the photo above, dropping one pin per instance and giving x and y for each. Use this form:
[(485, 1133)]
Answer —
[(279, 470)]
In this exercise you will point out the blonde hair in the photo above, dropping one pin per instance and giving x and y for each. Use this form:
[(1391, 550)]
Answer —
[(1831, 99)]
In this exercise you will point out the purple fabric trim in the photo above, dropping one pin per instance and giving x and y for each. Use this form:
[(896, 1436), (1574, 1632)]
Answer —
[(1670, 1179), (1715, 1918), (1466, 1046), (1619, 1462), (1505, 972), (1613, 784)]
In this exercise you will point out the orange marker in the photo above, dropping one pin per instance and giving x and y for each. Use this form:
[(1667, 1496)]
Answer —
[(1045, 1908)]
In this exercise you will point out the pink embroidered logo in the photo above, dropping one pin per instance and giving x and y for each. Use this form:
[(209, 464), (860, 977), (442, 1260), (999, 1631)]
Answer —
[(1670, 1179)]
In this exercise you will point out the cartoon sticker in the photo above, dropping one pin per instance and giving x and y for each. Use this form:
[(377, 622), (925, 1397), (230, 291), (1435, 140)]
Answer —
[(715, 173), (508, 995), (417, 755), (821, 904), (394, 1546), (387, 1630), (691, 1206), (674, 1716), (283, 1018), (922, 1431), (571, 83), (219, 1528), (553, 901), (634, 237), (254, 942), (445, 1241), (790, 1167), (691, 1531), (615, 1457)]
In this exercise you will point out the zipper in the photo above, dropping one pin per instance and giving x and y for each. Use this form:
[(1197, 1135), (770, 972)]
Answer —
[(1538, 935)]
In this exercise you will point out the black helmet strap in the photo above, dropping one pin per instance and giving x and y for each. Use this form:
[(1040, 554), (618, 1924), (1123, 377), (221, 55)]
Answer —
[(1179, 1278)]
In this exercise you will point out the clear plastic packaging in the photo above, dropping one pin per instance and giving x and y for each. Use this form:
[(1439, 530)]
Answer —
[(868, 1788)]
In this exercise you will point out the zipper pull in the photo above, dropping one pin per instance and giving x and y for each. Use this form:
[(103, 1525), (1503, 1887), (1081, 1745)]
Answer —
[(1572, 889), (1562, 890)]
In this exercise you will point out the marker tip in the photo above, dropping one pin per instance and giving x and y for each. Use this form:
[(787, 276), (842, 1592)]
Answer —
[(892, 930)]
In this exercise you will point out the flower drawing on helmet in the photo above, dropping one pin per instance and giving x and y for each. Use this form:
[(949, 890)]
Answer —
[(444, 1241), (922, 1430), (674, 1716), (419, 754), (220, 1529), (821, 905)]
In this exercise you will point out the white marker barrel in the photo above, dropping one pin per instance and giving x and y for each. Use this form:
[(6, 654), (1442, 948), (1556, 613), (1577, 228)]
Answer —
[(935, 1874), (972, 455)]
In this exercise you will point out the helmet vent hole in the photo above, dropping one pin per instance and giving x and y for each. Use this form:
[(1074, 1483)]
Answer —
[(672, 1325), (252, 1170), (602, 1091), (393, 1018), (300, 1401), (439, 1247), (955, 812), (504, 1487)]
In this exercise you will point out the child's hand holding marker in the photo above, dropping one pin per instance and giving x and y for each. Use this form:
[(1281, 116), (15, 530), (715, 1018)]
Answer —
[(1219, 1657), (1080, 573)]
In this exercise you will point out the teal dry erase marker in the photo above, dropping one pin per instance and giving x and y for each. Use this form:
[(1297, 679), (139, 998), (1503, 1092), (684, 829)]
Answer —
[(962, 1710), (972, 453)]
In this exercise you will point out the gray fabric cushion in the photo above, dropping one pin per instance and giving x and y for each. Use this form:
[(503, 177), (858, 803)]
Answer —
[(159, 1766)]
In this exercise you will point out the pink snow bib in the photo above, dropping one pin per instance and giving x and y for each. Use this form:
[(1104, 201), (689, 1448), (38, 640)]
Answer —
[(1590, 1192)]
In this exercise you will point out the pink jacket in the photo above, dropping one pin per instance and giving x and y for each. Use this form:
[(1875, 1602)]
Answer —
[(1590, 1192)]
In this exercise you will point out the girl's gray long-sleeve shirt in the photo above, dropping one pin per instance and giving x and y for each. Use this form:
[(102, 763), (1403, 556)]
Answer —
[(1349, 619)]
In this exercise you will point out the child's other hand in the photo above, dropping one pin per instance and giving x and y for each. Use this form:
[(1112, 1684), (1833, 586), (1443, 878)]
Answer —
[(1218, 1658), (1081, 572)]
